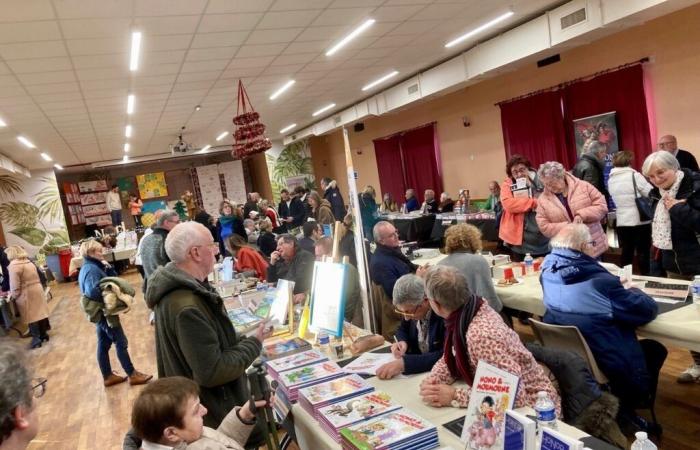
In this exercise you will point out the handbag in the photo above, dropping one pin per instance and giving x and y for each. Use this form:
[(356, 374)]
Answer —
[(643, 204)]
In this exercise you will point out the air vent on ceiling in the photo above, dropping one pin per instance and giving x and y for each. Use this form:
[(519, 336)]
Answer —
[(412, 89), (572, 19), (336, 120)]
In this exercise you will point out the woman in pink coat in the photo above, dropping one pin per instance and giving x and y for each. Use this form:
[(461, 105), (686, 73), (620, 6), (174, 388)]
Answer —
[(566, 199)]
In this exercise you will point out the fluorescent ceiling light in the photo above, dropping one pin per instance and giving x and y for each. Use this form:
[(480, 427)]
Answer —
[(353, 34), (324, 109), (127, 147), (2, 123), (125, 158), (479, 29), (46, 157), (222, 135), (127, 131), (279, 91), (130, 104), (58, 166), (135, 50), (205, 148), (287, 128), (380, 80), (26, 142)]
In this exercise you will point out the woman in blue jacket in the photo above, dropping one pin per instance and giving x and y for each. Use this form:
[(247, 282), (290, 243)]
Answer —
[(230, 222)]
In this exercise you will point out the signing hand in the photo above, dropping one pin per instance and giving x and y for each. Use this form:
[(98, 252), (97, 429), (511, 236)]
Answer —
[(390, 370), (274, 257), (398, 349), (671, 202), (437, 395), (263, 332)]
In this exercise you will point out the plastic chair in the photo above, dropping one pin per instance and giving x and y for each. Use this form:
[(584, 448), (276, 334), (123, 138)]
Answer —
[(567, 337)]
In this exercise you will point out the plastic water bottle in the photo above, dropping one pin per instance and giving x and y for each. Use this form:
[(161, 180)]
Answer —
[(696, 290), (642, 442), (529, 263), (545, 411), (324, 342)]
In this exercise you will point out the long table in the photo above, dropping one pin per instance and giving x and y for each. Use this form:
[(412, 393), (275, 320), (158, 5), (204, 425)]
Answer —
[(679, 327), (406, 390), (117, 254), (411, 227)]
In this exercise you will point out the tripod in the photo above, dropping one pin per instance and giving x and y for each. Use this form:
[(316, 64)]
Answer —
[(260, 390)]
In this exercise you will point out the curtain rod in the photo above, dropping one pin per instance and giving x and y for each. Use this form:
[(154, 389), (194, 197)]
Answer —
[(576, 80), (398, 133)]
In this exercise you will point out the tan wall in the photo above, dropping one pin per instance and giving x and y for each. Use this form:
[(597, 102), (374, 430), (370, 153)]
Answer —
[(259, 175), (473, 156)]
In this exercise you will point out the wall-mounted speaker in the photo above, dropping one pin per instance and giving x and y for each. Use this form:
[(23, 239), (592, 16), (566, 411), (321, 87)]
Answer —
[(359, 126)]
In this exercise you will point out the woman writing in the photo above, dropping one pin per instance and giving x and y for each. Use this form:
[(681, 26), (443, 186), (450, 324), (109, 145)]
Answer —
[(25, 288), (247, 258)]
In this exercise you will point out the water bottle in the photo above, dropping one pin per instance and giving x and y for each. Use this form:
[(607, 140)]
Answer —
[(696, 290), (529, 263), (545, 411), (642, 442), (324, 342)]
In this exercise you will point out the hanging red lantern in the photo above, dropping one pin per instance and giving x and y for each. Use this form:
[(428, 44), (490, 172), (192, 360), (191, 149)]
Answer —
[(249, 135)]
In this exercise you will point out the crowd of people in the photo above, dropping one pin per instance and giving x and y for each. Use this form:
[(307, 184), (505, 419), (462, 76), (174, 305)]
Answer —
[(443, 319)]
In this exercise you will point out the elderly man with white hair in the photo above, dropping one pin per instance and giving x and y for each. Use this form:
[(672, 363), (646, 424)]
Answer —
[(411, 201), (420, 338), (194, 336), (580, 292), (590, 166), (430, 205)]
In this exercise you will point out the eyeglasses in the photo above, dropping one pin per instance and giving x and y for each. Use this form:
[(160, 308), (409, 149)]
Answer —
[(38, 387), (663, 144), (407, 314), (212, 245)]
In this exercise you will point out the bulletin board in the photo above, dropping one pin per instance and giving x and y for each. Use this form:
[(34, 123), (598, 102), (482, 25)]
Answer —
[(152, 185)]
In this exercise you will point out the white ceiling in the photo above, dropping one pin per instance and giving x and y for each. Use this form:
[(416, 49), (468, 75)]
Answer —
[(64, 74)]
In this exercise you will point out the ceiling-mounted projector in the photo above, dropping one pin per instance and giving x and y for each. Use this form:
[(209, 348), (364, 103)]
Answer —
[(181, 146)]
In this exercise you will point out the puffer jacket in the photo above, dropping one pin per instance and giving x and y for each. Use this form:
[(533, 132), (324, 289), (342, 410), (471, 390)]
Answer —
[(685, 226), (584, 201), (512, 223), (622, 192)]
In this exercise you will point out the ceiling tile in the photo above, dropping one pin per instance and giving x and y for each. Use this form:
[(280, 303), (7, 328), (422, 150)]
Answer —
[(204, 54), (441, 12), (169, 7), (155, 26), (32, 50), (395, 13), (351, 17), (227, 39), (105, 84), (39, 65), (351, 3), (287, 19), (199, 66), (98, 46), (283, 70), (260, 50), (61, 76), (95, 28), (284, 60), (320, 34), (291, 5), (164, 57), (261, 61), (102, 74), (101, 61), (198, 76), (29, 31), (273, 36), (22, 10), (236, 6), (78, 9), (213, 23), (169, 42), (415, 27)]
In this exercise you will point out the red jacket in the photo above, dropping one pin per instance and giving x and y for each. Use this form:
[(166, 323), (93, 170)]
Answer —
[(513, 218), (248, 258)]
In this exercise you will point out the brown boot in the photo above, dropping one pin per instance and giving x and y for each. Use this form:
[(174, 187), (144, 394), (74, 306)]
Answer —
[(139, 378), (113, 379)]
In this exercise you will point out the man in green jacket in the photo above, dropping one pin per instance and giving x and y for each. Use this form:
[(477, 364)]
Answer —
[(194, 336)]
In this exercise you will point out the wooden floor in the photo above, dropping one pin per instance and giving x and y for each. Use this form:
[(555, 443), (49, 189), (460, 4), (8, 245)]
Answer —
[(78, 413)]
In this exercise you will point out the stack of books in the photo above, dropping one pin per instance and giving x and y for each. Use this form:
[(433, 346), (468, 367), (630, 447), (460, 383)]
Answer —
[(243, 320), (275, 367), (315, 397), (285, 348), (293, 380), (353, 411), (397, 430)]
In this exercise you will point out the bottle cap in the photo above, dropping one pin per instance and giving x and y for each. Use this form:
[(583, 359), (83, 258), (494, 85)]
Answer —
[(324, 339), (641, 435)]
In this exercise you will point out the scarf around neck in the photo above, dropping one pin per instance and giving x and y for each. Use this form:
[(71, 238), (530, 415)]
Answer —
[(456, 350), (225, 220), (661, 224)]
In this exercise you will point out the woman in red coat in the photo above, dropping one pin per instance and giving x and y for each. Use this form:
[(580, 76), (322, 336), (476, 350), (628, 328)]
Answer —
[(247, 258)]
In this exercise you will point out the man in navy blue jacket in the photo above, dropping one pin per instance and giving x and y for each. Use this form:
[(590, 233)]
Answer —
[(291, 211), (420, 339), (578, 291), (388, 264)]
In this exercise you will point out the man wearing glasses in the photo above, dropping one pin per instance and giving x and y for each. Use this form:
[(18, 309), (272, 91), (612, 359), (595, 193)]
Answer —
[(420, 338), (19, 422), (685, 158)]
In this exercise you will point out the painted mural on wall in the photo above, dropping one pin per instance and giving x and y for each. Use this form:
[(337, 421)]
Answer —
[(290, 166), (31, 213)]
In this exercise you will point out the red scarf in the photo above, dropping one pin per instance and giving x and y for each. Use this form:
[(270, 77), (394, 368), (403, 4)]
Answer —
[(456, 326)]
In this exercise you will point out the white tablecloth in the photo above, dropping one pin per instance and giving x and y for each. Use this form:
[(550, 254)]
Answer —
[(405, 391), (679, 327), (117, 254)]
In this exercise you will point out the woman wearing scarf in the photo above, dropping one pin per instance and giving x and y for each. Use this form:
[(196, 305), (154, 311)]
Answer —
[(675, 225), (474, 332), (230, 222)]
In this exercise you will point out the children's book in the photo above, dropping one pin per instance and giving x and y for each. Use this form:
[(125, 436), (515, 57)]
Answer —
[(368, 363), (294, 361), (519, 432), (286, 348), (349, 412), (492, 394), (554, 440), (293, 380), (398, 429), (319, 395), (243, 320)]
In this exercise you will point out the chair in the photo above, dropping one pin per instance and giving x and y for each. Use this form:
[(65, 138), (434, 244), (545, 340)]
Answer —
[(387, 319), (567, 337)]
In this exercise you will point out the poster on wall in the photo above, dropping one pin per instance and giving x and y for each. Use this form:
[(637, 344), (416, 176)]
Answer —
[(291, 162), (92, 186), (601, 129), (152, 185), (148, 211)]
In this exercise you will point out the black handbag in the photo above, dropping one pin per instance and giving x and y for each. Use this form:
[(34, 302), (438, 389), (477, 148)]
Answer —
[(643, 204)]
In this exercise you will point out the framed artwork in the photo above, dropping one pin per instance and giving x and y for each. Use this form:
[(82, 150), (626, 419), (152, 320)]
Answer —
[(92, 186), (152, 185), (601, 128)]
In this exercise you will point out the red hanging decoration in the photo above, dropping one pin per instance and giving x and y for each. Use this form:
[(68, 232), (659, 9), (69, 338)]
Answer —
[(250, 132)]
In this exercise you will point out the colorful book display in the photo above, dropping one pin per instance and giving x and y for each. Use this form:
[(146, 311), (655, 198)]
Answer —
[(293, 380), (519, 432), (243, 320), (397, 430), (286, 348), (493, 393), (294, 361), (315, 397), (353, 411)]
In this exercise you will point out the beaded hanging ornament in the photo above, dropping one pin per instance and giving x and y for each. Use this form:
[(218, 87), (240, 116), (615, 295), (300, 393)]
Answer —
[(249, 135)]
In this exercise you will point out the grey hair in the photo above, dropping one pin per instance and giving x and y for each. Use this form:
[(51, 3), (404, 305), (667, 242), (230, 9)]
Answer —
[(376, 231), (411, 191), (447, 286), (167, 215), (661, 159), (16, 386), (181, 239), (593, 147), (551, 169), (408, 290), (289, 239), (248, 222), (573, 236)]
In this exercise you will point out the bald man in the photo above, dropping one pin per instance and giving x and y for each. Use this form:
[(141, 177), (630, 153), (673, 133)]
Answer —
[(685, 158)]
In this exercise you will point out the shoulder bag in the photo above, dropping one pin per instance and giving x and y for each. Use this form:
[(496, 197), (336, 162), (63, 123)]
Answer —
[(643, 203)]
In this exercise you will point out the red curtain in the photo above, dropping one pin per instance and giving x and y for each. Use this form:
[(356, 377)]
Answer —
[(534, 127), (391, 178), (621, 91), (421, 158)]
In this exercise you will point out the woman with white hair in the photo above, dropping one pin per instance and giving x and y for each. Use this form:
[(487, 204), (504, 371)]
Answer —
[(676, 224), (566, 199), (474, 332)]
